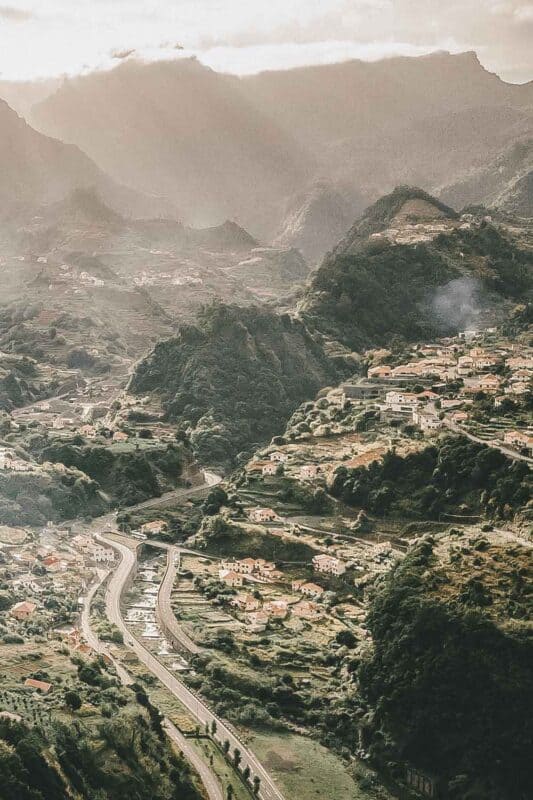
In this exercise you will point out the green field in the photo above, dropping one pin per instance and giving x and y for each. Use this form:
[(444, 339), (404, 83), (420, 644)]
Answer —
[(304, 769)]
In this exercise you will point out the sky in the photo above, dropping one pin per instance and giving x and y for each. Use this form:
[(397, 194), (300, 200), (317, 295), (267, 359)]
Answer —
[(43, 38)]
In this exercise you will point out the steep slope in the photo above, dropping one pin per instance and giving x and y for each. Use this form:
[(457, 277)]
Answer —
[(410, 267), (315, 220), (180, 129), (504, 183), (38, 170), (235, 377)]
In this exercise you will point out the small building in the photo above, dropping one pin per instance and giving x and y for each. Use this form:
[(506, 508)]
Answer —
[(276, 608), (120, 436), (41, 686), (306, 609), (427, 422), (89, 431), (381, 371), (263, 515), (269, 469), (230, 578), (311, 590), (521, 440), (246, 602), (257, 620), (102, 554), (329, 565), (279, 457), (22, 610), (309, 471)]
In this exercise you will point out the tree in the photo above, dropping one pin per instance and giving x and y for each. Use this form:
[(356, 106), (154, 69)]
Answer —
[(257, 784), (213, 727), (72, 700), (347, 638), (237, 757), (225, 747), (229, 792), (246, 773)]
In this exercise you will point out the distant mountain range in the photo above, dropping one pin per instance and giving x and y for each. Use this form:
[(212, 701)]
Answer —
[(290, 156), (181, 130)]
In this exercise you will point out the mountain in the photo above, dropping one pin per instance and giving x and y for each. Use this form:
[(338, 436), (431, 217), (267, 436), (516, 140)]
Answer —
[(179, 128), (315, 220), (399, 120), (504, 183), (224, 147), (38, 170), (411, 267)]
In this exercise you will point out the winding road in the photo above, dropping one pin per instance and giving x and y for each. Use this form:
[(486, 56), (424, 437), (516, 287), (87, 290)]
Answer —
[(195, 704), (492, 443)]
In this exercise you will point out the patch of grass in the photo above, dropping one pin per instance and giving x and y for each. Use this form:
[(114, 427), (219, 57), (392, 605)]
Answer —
[(305, 769)]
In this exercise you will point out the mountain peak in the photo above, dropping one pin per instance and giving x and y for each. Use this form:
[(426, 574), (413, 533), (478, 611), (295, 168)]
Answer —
[(404, 205)]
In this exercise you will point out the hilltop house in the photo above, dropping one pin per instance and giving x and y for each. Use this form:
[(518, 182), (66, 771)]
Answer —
[(329, 565)]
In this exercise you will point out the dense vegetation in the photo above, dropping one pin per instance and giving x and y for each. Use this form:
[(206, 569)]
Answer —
[(445, 689), (126, 759), (456, 476), (235, 377), (126, 476), (33, 498), (369, 290)]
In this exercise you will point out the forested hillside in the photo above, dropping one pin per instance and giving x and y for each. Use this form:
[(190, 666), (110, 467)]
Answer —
[(235, 377), (448, 687)]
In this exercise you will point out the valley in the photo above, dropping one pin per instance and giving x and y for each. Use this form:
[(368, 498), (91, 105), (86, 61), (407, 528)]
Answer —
[(266, 371)]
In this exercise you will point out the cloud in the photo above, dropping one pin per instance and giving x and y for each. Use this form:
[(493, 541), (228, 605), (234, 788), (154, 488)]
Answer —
[(12, 14)]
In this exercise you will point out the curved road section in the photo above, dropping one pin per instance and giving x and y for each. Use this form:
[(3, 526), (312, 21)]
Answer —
[(164, 612), (196, 706)]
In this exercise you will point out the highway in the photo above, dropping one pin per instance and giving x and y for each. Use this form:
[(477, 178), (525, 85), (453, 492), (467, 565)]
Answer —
[(196, 706)]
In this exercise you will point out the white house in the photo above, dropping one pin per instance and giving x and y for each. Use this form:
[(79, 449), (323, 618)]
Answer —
[(426, 421), (329, 565), (279, 457)]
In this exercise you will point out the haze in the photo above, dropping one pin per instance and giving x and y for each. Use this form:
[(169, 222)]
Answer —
[(244, 37)]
